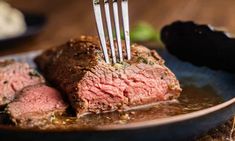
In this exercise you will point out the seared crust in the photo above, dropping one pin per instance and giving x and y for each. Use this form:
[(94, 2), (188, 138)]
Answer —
[(79, 60)]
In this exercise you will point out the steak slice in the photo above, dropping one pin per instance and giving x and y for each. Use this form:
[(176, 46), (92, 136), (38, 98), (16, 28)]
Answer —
[(14, 76), (35, 106), (92, 86)]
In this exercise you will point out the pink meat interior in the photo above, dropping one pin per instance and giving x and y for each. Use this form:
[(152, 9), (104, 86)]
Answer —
[(104, 89)]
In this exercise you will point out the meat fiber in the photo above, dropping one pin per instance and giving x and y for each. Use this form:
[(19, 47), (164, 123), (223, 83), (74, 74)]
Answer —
[(92, 86), (14, 76), (35, 106)]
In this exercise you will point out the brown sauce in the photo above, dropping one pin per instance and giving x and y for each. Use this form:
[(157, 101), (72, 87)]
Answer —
[(192, 99)]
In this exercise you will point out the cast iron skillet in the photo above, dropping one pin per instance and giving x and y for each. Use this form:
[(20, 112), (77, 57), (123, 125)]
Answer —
[(182, 127), (34, 22)]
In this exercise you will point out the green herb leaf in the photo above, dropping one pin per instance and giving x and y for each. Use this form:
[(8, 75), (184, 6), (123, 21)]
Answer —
[(34, 73), (144, 32)]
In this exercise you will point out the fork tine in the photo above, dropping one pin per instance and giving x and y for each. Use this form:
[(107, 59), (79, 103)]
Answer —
[(109, 27), (125, 19), (117, 29), (100, 28)]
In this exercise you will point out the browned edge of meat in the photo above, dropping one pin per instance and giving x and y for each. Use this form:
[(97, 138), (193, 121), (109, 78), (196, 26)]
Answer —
[(78, 69), (14, 76), (36, 106)]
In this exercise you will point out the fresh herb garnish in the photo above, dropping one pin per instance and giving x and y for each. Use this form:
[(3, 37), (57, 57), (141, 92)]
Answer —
[(144, 32), (34, 73), (142, 60)]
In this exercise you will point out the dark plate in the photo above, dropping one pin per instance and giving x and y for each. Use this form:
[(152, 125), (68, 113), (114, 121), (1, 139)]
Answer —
[(34, 22), (180, 127)]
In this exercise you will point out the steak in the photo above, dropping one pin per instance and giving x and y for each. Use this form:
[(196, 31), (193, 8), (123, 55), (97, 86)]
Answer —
[(92, 86), (35, 106), (14, 76)]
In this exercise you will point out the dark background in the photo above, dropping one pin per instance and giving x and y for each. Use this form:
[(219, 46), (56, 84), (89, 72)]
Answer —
[(72, 18)]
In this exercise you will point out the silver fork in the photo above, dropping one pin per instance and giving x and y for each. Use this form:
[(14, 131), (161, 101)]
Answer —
[(101, 32)]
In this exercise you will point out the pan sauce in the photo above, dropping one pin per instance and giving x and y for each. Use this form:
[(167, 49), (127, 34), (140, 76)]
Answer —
[(192, 99)]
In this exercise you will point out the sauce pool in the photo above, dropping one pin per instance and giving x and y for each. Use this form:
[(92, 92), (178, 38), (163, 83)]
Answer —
[(192, 99)]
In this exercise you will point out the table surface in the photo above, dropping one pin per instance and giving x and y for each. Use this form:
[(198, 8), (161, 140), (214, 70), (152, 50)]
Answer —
[(72, 18)]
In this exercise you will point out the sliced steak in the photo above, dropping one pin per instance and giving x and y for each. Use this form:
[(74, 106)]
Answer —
[(35, 106), (14, 76), (79, 70)]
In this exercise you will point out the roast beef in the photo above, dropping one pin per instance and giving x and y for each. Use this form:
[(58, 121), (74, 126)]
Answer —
[(36, 106), (14, 76), (78, 69)]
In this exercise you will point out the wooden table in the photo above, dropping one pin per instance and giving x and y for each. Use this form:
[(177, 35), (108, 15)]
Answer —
[(72, 18)]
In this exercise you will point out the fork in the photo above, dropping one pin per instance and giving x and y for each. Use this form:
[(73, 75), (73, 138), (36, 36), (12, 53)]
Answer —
[(99, 23)]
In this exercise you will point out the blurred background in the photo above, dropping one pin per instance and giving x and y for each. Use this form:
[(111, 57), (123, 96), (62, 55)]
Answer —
[(72, 18)]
